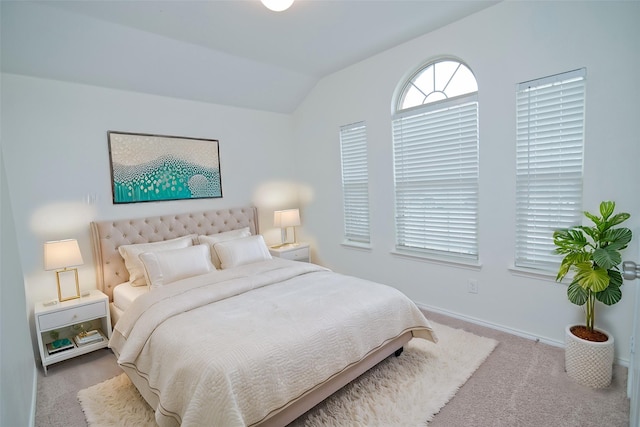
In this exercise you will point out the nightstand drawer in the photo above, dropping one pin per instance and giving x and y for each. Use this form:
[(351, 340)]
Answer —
[(72, 315), (301, 254)]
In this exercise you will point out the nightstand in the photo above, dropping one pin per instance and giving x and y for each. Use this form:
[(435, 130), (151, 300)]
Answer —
[(293, 251), (66, 320)]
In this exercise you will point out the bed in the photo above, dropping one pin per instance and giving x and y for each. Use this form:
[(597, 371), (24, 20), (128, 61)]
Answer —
[(255, 340)]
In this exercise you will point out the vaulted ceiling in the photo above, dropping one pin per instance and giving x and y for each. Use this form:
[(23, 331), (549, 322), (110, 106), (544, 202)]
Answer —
[(233, 52)]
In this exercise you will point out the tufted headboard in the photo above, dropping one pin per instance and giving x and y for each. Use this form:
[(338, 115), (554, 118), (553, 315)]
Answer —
[(107, 236)]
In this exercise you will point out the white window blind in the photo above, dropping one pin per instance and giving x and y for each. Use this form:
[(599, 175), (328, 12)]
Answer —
[(436, 178), (549, 165), (355, 182)]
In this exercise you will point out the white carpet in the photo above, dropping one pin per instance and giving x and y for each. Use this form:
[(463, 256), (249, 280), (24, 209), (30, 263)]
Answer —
[(401, 391)]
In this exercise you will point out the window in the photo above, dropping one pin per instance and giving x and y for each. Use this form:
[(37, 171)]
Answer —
[(355, 182), (435, 147), (550, 139)]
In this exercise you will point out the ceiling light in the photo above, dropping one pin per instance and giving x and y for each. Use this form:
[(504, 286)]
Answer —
[(277, 5)]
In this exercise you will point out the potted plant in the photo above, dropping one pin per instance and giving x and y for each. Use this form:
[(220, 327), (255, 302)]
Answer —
[(593, 254)]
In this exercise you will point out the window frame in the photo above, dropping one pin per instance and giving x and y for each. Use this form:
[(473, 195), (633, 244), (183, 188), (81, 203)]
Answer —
[(355, 184), (422, 245), (537, 178)]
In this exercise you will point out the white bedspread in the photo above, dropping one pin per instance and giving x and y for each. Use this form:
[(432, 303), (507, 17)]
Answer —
[(232, 347)]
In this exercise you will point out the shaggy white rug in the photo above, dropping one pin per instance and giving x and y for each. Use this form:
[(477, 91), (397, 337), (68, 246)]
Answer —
[(401, 391)]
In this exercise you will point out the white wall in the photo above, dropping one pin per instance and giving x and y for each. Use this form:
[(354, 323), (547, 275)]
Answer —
[(17, 368), (509, 43), (56, 154)]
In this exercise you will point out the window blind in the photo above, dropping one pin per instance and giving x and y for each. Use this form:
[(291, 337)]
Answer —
[(549, 165), (436, 179), (355, 182)]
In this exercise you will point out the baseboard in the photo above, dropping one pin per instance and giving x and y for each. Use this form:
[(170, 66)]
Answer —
[(506, 329)]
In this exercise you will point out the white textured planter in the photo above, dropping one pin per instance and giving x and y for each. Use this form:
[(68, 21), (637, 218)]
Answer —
[(586, 362)]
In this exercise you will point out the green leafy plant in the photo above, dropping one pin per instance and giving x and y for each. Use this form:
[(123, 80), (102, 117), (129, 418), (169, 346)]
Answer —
[(593, 253)]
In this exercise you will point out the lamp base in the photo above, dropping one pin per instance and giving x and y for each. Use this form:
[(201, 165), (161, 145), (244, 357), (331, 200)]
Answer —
[(66, 289), (283, 238)]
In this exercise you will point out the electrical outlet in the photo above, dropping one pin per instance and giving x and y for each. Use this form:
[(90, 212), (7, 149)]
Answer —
[(472, 286)]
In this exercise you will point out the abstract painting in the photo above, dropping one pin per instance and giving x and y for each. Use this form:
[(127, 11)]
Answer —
[(151, 168)]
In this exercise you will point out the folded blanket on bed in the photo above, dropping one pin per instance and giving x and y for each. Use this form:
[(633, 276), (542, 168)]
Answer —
[(231, 347)]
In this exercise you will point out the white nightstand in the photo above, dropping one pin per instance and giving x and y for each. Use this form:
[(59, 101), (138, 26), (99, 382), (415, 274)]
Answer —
[(294, 251), (69, 318)]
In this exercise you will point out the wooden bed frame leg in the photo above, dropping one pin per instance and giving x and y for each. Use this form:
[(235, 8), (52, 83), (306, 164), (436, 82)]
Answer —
[(399, 351)]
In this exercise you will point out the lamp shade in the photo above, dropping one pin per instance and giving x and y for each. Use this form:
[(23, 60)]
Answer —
[(286, 218), (62, 254)]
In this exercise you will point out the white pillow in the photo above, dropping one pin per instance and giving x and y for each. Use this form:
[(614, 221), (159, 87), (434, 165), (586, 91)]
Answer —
[(132, 261), (164, 267), (222, 237), (242, 251)]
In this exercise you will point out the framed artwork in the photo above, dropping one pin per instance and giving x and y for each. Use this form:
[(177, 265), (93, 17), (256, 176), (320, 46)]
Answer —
[(152, 168)]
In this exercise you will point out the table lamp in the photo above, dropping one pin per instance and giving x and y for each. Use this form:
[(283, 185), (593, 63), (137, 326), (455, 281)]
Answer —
[(283, 220), (60, 255)]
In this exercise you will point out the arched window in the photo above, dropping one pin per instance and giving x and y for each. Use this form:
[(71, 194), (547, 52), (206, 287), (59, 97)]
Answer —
[(437, 81), (435, 147)]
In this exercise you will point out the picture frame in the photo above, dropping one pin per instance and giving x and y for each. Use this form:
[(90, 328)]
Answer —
[(153, 168)]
